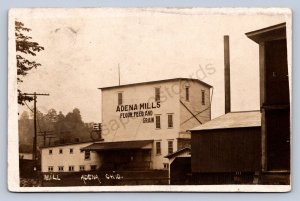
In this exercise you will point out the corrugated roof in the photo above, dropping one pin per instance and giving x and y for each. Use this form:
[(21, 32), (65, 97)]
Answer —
[(232, 120), (156, 81), (142, 144)]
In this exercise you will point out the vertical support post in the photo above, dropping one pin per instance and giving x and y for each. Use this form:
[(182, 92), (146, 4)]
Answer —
[(227, 73), (262, 76), (35, 130)]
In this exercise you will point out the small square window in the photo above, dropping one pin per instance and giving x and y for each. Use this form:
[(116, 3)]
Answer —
[(71, 168), (82, 168), (50, 168), (60, 151), (71, 151), (93, 167), (50, 151), (60, 168)]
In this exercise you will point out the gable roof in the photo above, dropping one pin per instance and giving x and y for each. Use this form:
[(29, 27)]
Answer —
[(156, 81), (232, 120)]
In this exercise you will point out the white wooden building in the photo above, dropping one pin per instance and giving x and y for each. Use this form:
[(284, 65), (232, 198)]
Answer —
[(143, 122), (69, 158)]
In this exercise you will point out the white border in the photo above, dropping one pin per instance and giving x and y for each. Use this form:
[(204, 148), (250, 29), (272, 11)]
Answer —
[(13, 155)]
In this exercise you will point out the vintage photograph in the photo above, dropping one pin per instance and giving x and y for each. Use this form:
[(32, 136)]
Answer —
[(124, 99)]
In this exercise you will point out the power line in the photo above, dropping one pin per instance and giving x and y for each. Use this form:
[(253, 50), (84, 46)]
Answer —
[(34, 95), (28, 107), (38, 123)]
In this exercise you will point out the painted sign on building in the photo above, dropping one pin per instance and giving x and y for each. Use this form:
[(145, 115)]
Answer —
[(143, 110)]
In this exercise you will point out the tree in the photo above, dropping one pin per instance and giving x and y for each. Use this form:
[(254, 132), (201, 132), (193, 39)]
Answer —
[(25, 127), (24, 46), (51, 116)]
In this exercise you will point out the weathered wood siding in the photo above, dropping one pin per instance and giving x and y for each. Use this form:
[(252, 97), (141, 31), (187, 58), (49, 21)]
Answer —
[(226, 150)]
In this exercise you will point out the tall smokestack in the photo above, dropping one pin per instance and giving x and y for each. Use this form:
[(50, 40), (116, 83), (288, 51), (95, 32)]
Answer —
[(227, 74)]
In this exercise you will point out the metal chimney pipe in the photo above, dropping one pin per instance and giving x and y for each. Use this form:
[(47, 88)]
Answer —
[(227, 74)]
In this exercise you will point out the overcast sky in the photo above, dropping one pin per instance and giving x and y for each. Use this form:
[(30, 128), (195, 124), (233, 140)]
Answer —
[(83, 49)]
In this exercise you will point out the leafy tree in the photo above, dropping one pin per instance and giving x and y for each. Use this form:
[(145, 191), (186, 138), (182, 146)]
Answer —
[(25, 132), (24, 46), (65, 128), (51, 116)]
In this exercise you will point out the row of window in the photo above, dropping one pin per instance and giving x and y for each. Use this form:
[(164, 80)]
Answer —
[(157, 95), (158, 147), (87, 154), (71, 168), (158, 121), (60, 151)]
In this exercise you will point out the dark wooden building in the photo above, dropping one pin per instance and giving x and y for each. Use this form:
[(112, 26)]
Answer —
[(250, 147), (274, 103), (227, 149)]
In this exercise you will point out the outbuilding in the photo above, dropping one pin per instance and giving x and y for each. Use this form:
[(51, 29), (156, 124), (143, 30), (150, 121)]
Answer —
[(226, 150)]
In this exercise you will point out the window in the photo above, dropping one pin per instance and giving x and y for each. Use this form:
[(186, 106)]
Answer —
[(157, 121), (81, 151), (187, 93), (71, 151), (120, 98), (166, 165), (93, 167), (157, 94), (87, 155), (60, 151), (81, 167), (170, 147), (50, 168), (60, 168), (170, 120), (158, 148), (50, 151), (203, 97), (71, 168)]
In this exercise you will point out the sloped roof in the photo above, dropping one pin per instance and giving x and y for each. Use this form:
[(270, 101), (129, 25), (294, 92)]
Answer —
[(268, 33), (142, 144), (156, 81), (232, 120), (178, 152), (69, 143)]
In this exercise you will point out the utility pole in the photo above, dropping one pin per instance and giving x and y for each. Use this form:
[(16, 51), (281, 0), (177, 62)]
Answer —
[(34, 150)]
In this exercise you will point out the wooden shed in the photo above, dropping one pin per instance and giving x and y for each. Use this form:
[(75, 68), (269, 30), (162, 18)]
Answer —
[(227, 149)]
